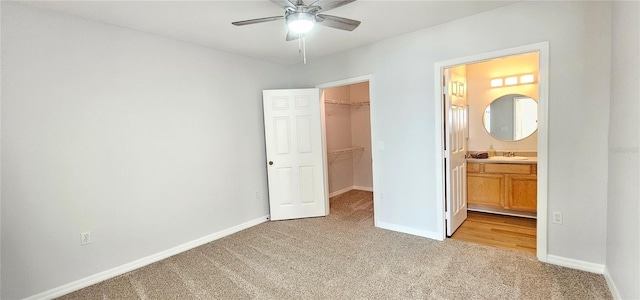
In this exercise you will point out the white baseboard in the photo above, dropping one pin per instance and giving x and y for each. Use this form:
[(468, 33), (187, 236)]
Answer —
[(575, 264), (363, 188), (353, 187), (339, 192), (108, 274), (408, 230), (612, 286)]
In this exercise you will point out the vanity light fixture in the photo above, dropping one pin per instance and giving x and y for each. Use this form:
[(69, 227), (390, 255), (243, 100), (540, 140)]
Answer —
[(527, 79), (513, 80)]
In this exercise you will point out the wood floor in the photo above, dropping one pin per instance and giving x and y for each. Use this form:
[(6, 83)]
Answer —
[(506, 232)]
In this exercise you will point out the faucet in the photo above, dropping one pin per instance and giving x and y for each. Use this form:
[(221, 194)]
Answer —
[(508, 154)]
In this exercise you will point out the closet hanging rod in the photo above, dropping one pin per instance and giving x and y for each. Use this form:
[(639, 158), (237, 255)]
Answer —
[(341, 102), (338, 102), (345, 150), (336, 153)]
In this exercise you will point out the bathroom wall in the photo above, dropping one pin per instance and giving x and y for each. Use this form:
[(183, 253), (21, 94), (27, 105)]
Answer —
[(458, 82), (481, 94)]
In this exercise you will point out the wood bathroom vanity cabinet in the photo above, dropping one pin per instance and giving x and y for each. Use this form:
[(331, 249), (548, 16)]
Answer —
[(502, 186)]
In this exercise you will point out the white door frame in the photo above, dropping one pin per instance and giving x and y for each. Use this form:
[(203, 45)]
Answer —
[(543, 134), (343, 82)]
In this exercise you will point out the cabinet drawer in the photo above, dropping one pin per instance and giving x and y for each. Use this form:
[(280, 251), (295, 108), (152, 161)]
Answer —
[(473, 168), (507, 168)]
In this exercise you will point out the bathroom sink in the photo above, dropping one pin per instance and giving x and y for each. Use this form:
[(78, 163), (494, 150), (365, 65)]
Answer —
[(509, 157)]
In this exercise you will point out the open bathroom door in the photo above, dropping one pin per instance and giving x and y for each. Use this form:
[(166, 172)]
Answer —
[(455, 115)]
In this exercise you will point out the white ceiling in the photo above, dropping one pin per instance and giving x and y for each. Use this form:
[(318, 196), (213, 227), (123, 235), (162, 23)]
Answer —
[(208, 23)]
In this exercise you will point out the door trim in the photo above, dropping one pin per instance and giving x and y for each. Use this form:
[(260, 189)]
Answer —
[(543, 134), (349, 81)]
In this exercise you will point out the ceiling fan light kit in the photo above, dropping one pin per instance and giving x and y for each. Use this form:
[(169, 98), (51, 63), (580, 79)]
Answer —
[(300, 22), (301, 18)]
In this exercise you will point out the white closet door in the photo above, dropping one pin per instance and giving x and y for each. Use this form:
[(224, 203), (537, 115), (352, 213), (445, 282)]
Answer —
[(294, 153)]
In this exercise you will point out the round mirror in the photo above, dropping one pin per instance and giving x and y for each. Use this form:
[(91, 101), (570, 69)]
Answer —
[(511, 117)]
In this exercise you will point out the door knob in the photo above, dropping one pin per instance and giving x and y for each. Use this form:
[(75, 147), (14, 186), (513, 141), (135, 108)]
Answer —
[(270, 162)]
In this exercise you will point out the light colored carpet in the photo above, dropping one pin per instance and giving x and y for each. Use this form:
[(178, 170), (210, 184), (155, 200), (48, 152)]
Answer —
[(343, 256)]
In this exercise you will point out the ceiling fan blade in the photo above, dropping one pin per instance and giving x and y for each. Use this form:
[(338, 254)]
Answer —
[(330, 4), (337, 22), (284, 3), (291, 36), (260, 20)]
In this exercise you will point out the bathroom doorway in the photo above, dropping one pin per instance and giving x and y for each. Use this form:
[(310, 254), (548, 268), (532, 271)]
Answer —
[(504, 183), (496, 146)]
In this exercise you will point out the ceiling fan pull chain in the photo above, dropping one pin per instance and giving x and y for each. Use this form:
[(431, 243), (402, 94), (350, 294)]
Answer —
[(304, 50)]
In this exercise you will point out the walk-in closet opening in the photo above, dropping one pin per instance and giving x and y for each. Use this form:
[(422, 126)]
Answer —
[(348, 141)]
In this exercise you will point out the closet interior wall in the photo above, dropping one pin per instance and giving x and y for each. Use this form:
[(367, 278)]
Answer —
[(348, 133)]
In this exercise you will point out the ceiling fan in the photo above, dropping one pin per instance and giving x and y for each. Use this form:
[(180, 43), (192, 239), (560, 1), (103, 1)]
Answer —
[(301, 18)]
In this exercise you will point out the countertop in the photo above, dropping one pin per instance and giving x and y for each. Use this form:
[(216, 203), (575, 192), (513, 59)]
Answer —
[(505, 160)]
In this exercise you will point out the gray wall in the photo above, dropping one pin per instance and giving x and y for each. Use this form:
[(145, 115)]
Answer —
[(138, 138), (403, 111), (147, 142), (623, 208)]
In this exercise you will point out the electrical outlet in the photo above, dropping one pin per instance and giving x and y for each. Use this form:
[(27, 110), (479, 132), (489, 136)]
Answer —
[(557, 217), (381, 196), (257, 195), (85, 238)]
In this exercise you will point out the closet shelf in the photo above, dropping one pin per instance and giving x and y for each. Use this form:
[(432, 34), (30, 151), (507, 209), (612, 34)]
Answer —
[(336, 153), (337, 103), (345, 150), (343, 102)]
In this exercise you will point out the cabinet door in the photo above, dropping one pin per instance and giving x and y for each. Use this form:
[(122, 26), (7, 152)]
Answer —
[(522, 192), (485, 189)]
